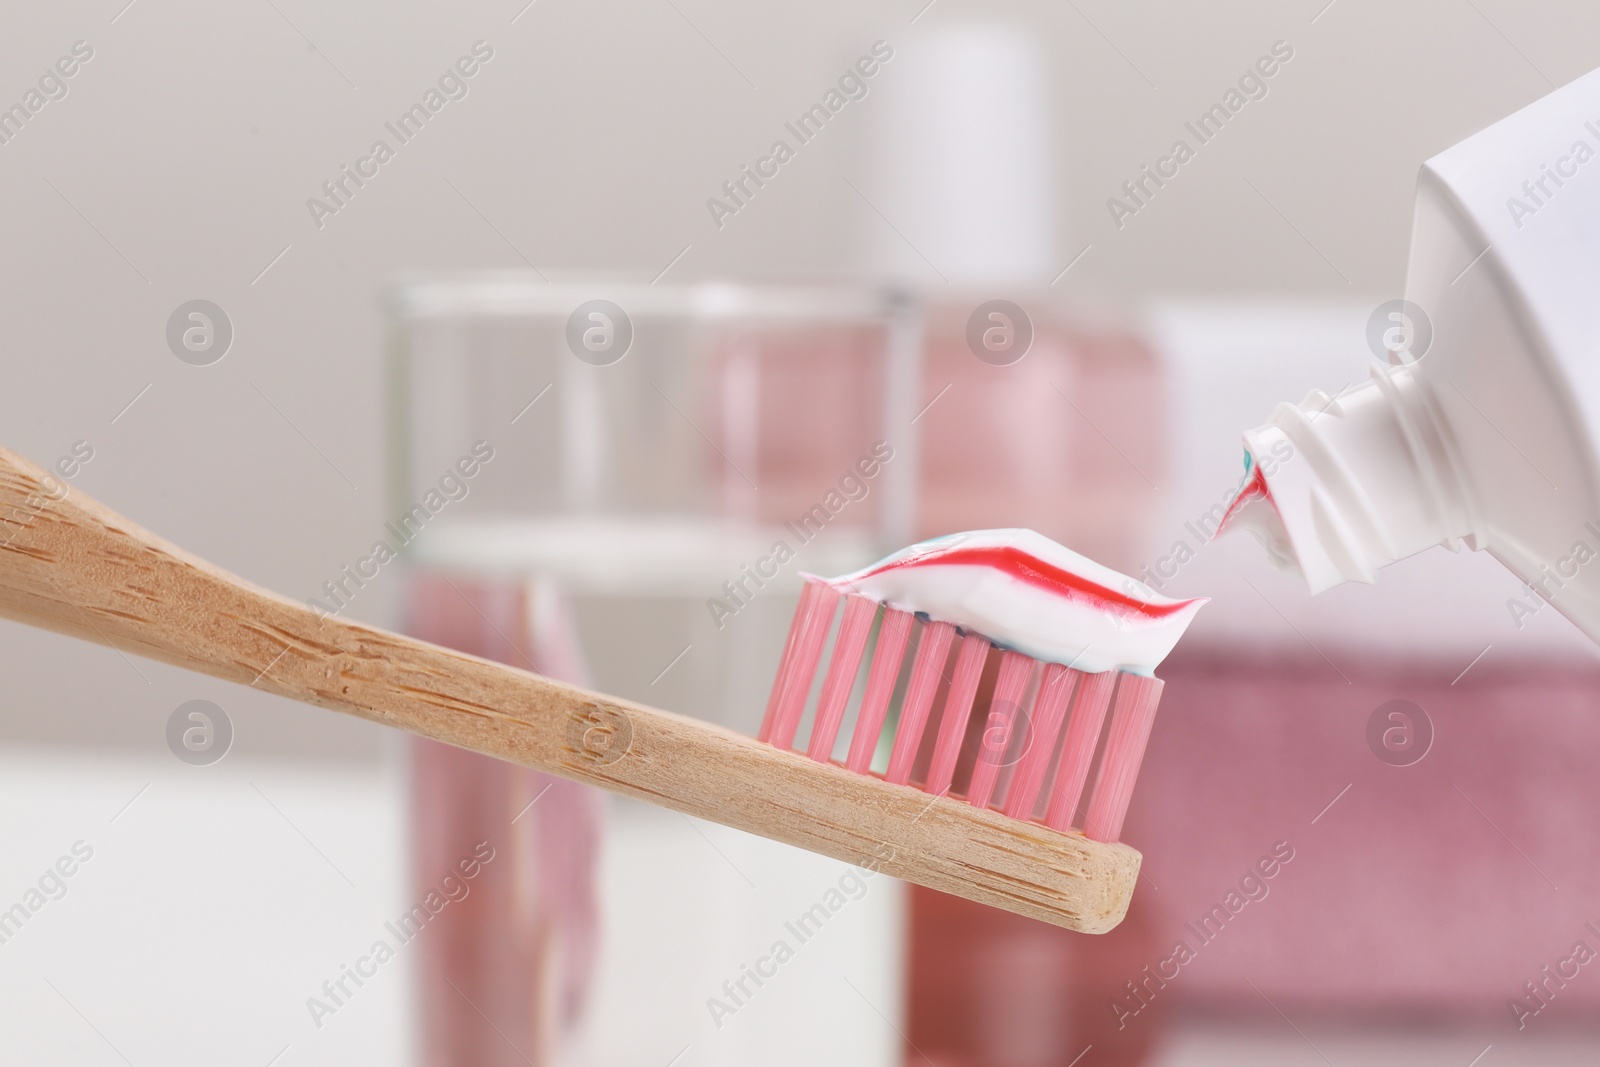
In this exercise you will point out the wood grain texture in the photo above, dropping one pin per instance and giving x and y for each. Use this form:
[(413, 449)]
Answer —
[(71, 565)]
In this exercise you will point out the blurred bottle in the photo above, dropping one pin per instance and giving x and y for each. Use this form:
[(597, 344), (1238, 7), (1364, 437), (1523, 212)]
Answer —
[(989, 988), (1031, 414), (506, 963), (960, 157), (993, 989), (1068, 440)]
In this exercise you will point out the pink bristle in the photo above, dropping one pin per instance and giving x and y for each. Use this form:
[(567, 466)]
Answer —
[(1137, 696), (807, 633), (892, 635), (841, 677), (1055, 690), (933, 646), (1004, 707), (1077, 751), (957, 709)]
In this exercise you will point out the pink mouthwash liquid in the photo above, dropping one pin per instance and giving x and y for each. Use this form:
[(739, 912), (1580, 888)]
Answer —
[(517, 941)]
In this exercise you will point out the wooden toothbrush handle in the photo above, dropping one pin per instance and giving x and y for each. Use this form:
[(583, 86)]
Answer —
[(69, 564)]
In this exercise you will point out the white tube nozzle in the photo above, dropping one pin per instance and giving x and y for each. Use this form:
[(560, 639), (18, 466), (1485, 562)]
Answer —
[(1355, 481), (1488, 436)]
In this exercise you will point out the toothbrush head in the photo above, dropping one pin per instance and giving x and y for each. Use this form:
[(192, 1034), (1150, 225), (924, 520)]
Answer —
[(1045, 644)]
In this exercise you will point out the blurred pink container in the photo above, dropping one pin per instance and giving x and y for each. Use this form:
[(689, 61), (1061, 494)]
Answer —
[(1070, 441), (1429, 892), (504, 970)]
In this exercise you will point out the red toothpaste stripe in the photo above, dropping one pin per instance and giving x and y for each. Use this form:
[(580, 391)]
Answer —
[(1028, 568), (1255, 488)]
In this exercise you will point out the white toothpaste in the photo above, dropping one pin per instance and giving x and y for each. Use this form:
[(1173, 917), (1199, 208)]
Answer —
[(1023, 591)]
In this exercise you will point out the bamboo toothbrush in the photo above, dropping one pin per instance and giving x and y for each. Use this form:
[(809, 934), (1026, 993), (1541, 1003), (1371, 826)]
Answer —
[(69, 564)]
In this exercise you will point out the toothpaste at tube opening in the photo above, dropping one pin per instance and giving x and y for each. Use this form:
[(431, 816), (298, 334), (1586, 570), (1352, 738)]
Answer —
[(1023, 591)]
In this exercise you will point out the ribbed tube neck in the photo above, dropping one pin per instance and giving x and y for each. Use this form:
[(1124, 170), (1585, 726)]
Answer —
[(1352, 482)]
